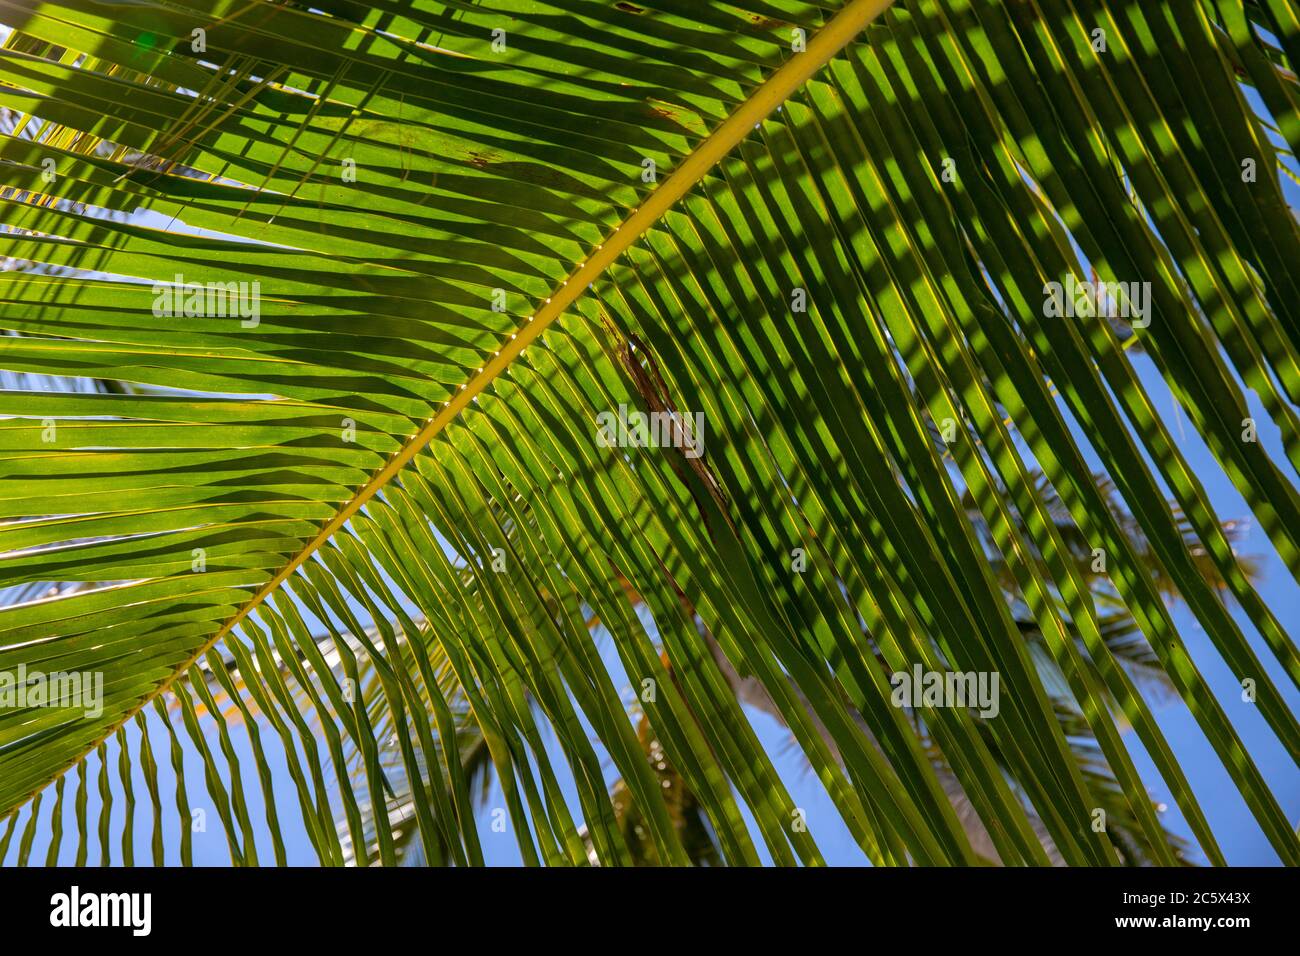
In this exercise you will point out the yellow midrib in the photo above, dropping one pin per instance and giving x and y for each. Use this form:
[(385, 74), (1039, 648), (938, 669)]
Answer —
[(820, 48)]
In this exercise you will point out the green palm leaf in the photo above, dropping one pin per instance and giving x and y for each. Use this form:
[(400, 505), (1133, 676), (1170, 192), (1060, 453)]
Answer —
[(362, 513)]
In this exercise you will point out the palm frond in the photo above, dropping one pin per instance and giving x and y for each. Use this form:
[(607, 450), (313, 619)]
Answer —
[(376, 280)]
